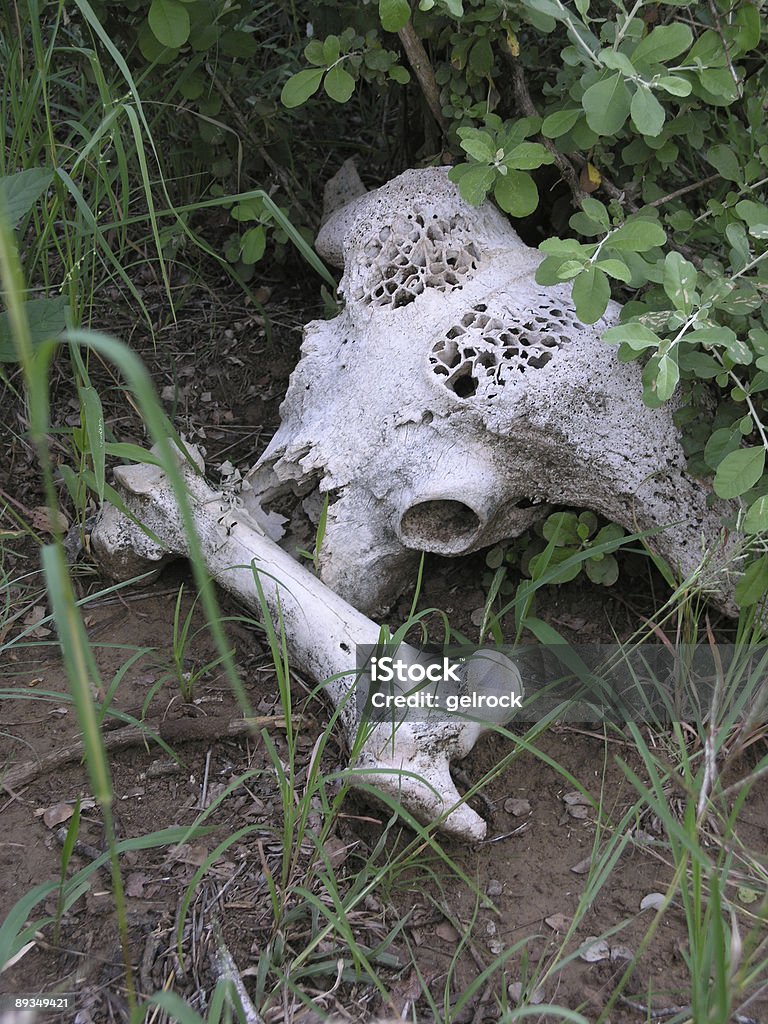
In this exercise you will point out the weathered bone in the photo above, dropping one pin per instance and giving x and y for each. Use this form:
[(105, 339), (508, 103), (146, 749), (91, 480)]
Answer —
[(454, 401), (321, 629)]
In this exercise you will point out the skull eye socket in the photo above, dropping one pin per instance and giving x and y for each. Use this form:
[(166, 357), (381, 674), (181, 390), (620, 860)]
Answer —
[(443, 525)]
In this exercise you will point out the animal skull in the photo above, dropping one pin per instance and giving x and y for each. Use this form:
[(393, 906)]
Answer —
[(454, 400)]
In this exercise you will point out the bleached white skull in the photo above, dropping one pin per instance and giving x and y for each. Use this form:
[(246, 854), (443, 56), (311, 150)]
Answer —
[(455, 400)]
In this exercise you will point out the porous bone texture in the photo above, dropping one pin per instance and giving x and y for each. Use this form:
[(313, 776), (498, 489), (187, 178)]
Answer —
[(454, 401)]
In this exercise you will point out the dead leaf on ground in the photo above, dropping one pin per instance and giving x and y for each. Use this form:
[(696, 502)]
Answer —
[(48, 520), (35, 615), (186, 854), (135, 883), (337, 851), (63, 811), (557, 922)]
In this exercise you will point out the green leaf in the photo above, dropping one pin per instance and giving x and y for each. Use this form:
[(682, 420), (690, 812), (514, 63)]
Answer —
[(47, 318), (378, 60), (495, 557), (253, 244), (201, 37), (393, 14), (667, 376), (301, 86), (606, 104), (755, 216), (724, 160), (339, 84), (700, 364), (674, 85), (604, 571), (609, 533), (591, 293), (662, 44), (169, 21), (752, 586), (478, 144), (637, 336), (616, 61), (596, 212), (331, 50), (481, 57), (756, 519), (93, 414), (615, 268), (721, 443), (528, 155), (680, 278), (315, 53), (474, 181), (132, 452), (648, 115), (562, 527), (739, 471), (19, 192), (748, 22), (557, 124), (400, 75), (238, 44), (638, 235), (516, 193), (560, 567)]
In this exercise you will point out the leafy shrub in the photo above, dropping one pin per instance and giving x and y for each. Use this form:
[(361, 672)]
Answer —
[(570, 533)]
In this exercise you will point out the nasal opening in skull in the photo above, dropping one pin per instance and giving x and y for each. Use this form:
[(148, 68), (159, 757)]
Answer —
[(444, 526)]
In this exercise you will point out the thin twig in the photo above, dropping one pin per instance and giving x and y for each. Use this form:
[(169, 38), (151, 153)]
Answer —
[(526, 107), (419, 61), (167, 731), (683, 191)]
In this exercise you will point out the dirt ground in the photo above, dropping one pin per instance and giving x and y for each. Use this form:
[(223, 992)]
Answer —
[(222, 375)]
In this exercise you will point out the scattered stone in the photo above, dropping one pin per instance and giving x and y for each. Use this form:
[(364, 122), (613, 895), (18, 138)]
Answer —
[(518, 994), (595, 950), (582, 868), (494, 887), (652, 901), (447, 932), (516, 807), (577, 799), (578, 811)]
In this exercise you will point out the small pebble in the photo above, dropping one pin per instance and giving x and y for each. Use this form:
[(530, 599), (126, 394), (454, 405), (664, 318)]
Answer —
[(516, 807), (495, 888)]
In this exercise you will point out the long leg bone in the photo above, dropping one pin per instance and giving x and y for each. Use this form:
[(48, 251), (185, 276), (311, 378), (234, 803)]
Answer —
[(321, 629)]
